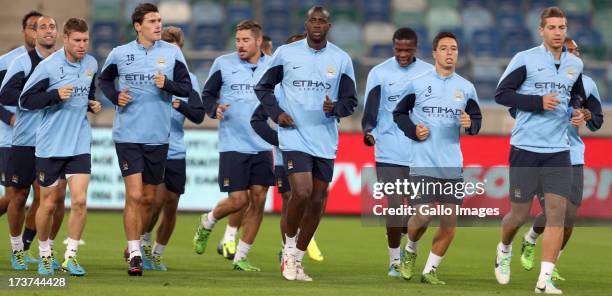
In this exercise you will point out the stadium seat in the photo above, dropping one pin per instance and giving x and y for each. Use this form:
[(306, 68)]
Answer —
[(575, 6), (484, 43), (485, 90), (276, 20), (509, 19), (345, 33), (175, 11), (475, 18), (376, 33), (405, 6), (207, 12), (538, 5), (439, 18), (602, 21), (381, 50), (376, 11), (453, 4), (408, 18), (236, 11), (509, 6), (513, 40), (486, 70), (105, 10), (208, 37), (105, 31)]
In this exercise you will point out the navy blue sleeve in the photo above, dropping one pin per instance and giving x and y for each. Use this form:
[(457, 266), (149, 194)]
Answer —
[(9, 95), (577, 94), (473, 110), (180, 85), (506, 92), (193, 109), (106, 81), (92, 92), (259, 123), (370, 113), (37, 96), (347, 97), (401, 116), (210, 93), (594, 105), (265, 91), (5, 115)]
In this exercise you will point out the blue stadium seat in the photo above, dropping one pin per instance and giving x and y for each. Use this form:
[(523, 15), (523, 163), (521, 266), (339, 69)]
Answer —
[(484, 43), (105, 31), (381, 50), (468, 4), (514, 40), (236, 11), (207, 12), (276, 20), (476, 18), (485, 90), (376, 11), (540, 4), (509, 6), (275, 5), (208, 37), (509, 19)]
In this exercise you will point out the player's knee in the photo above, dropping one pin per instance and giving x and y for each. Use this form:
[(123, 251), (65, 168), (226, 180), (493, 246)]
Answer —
[(79, 204), (301, 193), (133, 196)]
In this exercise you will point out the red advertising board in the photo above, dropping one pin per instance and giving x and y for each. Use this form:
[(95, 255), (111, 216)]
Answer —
[(485, 154)]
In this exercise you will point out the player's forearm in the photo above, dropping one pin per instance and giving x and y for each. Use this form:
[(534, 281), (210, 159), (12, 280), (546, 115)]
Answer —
[(259, 123), (9, 95), (473, 110), (347, 97), (36, 97), (106, 81), (401, 117), (5, 115), (370, 113), (180, 85), (597, 118), (193, 109)]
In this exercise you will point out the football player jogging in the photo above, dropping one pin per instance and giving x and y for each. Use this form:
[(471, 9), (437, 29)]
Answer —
[(245, 160), (318, 88), (7, 114), (591, 107), (21, 168), (149, 73), (261, 127), (392, 150), (436, 156), (175, 175), (542, 84), (63, 86)]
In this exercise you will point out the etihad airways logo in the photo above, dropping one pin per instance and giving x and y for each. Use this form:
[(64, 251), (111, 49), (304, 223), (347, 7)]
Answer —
[(140, 78), (311, 85)]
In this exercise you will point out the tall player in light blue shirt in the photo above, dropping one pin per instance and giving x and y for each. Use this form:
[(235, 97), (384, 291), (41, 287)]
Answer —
[(149, 72), (392, 150), (175, 175), (63, 86), (434, 109), (245, 160), (542, 83), (594, 120), (318, 85)]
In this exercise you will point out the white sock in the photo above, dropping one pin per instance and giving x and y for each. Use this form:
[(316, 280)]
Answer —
[(158, 249), (230, 233), (546, 269), (559, 256), (51, 243), (290, 244), (44, 248), (504, 248), (531, 236), (71, 248), (17, 243), (134, 248), (433, 261), (299, 255), (209, 222), (242, 250), (412, 246), (394, 256), (145, 239)]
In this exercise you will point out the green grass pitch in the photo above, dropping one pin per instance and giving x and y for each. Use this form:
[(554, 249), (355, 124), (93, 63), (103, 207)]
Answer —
[(355, 263)]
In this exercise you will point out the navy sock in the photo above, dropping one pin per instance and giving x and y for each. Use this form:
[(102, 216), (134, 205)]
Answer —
[(28, 237)]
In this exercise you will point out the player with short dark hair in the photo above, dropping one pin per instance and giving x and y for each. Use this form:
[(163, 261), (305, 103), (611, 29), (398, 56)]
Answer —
[(175, 175), (318, 88), (150, 72), (63, 86), (392, 148), (434, 108), (245, 160), (544, 85), (267, 46)]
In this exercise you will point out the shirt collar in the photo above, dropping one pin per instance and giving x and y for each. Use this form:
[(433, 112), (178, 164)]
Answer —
[(140, 46), (68, 62), (312, 50), (435, 74)]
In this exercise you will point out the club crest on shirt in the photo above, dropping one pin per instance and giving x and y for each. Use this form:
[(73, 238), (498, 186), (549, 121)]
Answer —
[(161, 63), (570, 72), (458, 96), (89, 74), (226, 182), (331, 71)]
